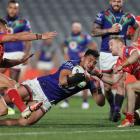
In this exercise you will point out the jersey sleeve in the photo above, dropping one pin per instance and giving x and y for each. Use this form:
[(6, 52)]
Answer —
[(67, 65), (88, 39), (99, 18), (133, 20), (27, 26), (131, 50)]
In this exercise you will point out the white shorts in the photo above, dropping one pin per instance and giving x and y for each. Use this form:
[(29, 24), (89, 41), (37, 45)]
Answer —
[(15, 55), (38, 94), (107, 61), (42, 65)]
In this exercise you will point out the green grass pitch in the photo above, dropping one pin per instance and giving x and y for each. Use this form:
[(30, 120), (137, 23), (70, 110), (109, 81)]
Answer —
[(72, 124)]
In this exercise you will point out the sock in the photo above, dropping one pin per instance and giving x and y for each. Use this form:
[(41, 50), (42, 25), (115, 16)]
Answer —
[(118, 102), (66, 100), (16, 99), (110, 99), (85, 100), (130, 117)]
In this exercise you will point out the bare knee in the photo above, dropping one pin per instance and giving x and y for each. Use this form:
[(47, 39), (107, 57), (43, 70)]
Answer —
[(3, 111), (101, 101)]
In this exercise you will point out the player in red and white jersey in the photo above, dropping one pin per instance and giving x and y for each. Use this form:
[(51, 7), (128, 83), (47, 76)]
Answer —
[(126, 66), (128, 62), (5, 82)]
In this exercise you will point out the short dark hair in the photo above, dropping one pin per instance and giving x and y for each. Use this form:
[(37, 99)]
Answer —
[(3, 22), (13, 1), (117, 37), (92, 52)]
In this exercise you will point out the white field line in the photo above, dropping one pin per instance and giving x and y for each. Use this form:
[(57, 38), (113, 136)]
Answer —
[(62, 132)]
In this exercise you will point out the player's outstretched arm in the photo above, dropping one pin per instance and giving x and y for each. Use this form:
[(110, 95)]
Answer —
[(109, 79), (131, 59), (27, 37), (135, 37), (7, 63)]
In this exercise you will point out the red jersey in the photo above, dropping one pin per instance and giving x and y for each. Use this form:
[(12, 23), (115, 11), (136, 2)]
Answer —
[(1, 47), (134, 68)]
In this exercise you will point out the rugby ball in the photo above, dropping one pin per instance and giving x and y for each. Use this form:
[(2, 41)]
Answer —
[(79, 69)]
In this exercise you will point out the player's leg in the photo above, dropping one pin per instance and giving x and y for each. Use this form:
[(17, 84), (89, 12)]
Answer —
[(18, 97), (35, 117), (65, 104), (131, 90), (118, 99), (14, 74), (99, 96), (99, 99), (3, 107), (5, 82), (85, 104)]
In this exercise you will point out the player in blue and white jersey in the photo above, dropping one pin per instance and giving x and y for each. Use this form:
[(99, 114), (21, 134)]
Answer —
[(74, 47), (53, 88), (18, 49)]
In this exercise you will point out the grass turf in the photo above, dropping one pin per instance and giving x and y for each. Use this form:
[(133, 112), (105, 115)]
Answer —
[(72, 124)]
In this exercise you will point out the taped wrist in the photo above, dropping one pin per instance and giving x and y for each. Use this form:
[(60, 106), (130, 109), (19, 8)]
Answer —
[(76, 79), (38, 36)]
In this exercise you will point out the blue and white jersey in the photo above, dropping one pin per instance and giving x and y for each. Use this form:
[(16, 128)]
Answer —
[(76, 44), (17, 25), (109, 17), (46, 52), (54, 92)]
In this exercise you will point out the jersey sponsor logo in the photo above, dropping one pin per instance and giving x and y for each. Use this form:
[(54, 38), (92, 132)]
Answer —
[(73, 45)]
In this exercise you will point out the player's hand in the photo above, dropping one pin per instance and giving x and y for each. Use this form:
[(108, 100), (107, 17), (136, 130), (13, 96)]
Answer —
[(135, 44), (49, 35), (25, 59), (97, 72), (117, 69), (114, 29)]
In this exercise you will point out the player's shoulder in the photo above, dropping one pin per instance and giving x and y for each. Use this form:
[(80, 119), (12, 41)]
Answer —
[(23, 20), (72, 62), (128, 50), (100, 14), (129, 15)]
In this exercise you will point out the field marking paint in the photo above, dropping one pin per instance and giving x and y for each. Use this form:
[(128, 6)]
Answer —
[(62, 132)]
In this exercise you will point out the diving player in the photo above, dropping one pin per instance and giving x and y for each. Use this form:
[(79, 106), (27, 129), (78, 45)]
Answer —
[(56, 87), (74, 48)]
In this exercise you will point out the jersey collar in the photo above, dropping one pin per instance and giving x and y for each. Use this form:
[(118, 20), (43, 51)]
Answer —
[(11, 18)]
